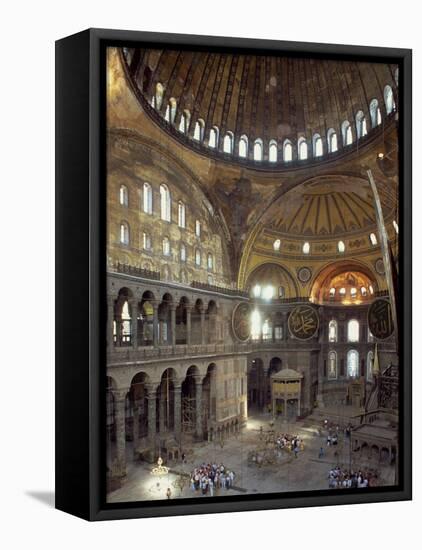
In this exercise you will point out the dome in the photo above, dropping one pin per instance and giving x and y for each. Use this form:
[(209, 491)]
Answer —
[(253, 107)]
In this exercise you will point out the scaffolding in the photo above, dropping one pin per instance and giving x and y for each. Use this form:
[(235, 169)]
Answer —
[(188, 414)]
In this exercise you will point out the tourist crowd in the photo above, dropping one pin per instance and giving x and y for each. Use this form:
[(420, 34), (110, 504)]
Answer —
[(208, 478), (290, 443), (345, 479)]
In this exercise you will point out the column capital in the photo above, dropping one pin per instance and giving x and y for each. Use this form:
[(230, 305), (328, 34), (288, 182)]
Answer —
[(199, 378), (120, 393), (177, 386), (151, 389)]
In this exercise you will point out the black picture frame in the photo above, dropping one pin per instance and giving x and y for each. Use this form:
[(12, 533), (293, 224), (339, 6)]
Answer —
[(80, 276)]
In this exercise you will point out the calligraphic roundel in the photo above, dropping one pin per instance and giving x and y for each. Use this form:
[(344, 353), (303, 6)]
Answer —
[(241, 323), (380, 319), (303, 322)]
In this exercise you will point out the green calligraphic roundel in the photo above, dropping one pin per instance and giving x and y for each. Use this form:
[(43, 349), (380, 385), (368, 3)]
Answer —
[(303, 322), (380, 319), (241, 322)]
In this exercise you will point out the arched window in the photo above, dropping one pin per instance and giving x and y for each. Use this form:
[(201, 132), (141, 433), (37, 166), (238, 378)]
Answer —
[(370, 366), (353, 331), (396, 76), (124, 233), (342, 291), (287, 151), (123, 196), (360, 124), (181, 215), (353, 292), (272, 151), (332, 141), (317, 145), (268, 292), (256, 291), (198, 133), (281, 292), (210, 263), (183, 252), (375, 113), (198, 257), (171, 110), (332, 292), (146, 241), (352, 363), (332, 365), (396, 226), (363, 291), (390, 105), (184, 122), (197, 228), (373, 239), (159, 90), (147, 198), (371, 289), (166, 246), (276, 245), (126, 323), (228, 143), (243, 147), (165, 203), (346, 131), (267, 330), (214, 137), (255, 325), (257, 150), (302, 148), (332, 331), (341, 247), (306, 248)]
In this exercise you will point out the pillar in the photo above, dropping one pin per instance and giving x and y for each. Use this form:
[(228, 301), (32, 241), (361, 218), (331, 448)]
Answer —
[(203, 334), (173, 324), (135, 428), (198, 406), (155, 325), (120, 421), (152, 397), (178, 412), (134, 323), (110, 321), (188, 325), (162, 411)]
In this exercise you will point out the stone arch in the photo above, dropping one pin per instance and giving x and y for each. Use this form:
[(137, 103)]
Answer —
[(321, 279), (274, 274)]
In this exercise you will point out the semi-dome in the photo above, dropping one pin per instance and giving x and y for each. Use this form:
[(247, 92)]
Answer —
[(265, 109)]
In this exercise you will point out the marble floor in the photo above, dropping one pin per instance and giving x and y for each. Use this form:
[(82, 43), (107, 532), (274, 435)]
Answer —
[(286, 473)]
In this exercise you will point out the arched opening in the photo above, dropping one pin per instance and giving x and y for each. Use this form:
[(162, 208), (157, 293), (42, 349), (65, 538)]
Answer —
[(390, 105), (189, 400), (182, 321), (146, 320), (137, 419), (257, 385), (346, 131), (164, 320), (209, 402), (302, 149), (317, 145), (122, 325), (198, 133), (165, 203), (361, 129), (228, 143), (332, 141), (214, 138), (165, 402), (287, 151), (375, 113)]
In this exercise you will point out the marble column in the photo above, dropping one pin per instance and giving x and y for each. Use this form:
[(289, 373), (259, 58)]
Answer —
[(155, 325), (110, 321), (152, 399), (203, 333), (198, 408), (178, 412), (188, 325), (134, 324), (120, 422), (173, 324), (135, 429), (162, 412)]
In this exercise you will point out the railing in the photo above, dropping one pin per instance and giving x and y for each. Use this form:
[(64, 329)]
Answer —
[(137, 271), (219, 289), (128, 354)]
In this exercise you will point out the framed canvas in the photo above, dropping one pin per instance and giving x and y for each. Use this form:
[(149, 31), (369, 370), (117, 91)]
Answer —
[(233, 274)]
